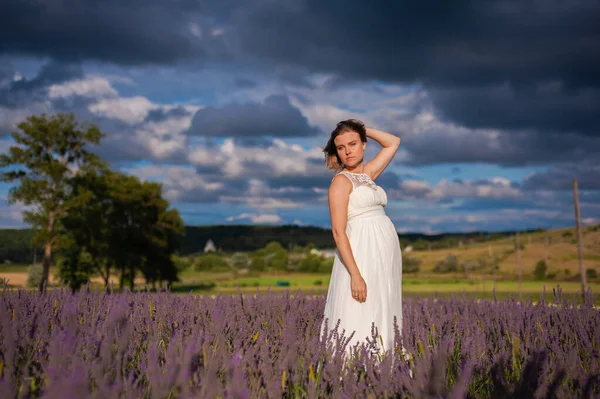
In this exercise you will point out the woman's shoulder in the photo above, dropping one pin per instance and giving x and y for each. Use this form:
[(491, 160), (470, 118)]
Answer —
[(344, 181)]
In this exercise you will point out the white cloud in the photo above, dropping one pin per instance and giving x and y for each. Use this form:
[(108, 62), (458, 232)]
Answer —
[(497, 187), (91, 86), (257, 218), (279, 159), (176, 180), (131, 110)]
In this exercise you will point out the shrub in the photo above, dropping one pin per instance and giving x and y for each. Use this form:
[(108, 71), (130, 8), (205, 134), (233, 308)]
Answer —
[(239, 260), (410, 264), (181, 263), (34, 275), (211, 262), (318, 282), (567, 233), (591, 274), (257, 263), (540, 270), (567, 272), (311, 263), (448, 265), (475, 265), (326, 265)]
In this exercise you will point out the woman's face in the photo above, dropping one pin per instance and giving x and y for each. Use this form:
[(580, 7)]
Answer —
[(350, 148)]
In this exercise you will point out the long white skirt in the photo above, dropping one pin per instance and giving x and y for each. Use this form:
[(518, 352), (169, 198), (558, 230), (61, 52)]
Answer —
[(376, 249)]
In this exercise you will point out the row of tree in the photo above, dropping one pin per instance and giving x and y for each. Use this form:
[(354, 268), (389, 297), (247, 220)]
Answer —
[(96, 220)]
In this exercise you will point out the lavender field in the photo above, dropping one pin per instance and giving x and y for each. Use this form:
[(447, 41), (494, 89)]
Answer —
[(161, 345)]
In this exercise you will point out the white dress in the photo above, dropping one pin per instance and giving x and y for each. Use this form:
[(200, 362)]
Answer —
[(376, 249)]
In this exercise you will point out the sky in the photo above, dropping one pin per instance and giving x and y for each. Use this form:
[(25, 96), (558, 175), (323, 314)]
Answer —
[(229, 103)]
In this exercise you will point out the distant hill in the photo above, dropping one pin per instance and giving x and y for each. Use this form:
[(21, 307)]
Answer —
[(15, 244)]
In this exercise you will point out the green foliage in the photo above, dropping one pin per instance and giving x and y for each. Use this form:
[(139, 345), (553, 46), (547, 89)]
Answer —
[(125, 224), (211, 262), (448, 265), (539, 272), (591, 274), (311, 264), (410, 264), (181, 263), (326, 265), (75, 267), (239, 260), (567, 234), (278, 260), (34, 275), (477, 265), (48, 154), (257, 262)]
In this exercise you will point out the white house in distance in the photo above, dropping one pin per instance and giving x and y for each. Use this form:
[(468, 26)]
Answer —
[(327, 253), (210, 246)]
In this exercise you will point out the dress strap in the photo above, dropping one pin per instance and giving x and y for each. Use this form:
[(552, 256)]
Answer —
[(358, 179), (349, 176)]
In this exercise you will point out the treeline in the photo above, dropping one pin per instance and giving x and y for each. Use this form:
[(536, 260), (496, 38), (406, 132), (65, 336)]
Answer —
[(86, 218), (16, 247)]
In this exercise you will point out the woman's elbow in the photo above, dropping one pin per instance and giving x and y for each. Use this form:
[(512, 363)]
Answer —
[(337, 234)]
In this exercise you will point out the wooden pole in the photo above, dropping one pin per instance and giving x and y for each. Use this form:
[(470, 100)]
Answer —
[(492, 260), (579, 238), (519, 270)]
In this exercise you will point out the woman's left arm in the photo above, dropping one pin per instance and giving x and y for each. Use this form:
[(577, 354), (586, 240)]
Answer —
[(390, 144)]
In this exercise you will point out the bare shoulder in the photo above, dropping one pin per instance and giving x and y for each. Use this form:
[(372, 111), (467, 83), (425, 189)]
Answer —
[(340, 184)]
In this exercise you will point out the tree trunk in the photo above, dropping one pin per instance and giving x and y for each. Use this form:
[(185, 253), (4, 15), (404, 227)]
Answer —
[(46, 266), (122, 279), (47, 253), (132, 277)]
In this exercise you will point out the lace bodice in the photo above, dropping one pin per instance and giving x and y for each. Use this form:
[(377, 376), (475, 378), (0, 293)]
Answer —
[(366, 198), (359, 179)]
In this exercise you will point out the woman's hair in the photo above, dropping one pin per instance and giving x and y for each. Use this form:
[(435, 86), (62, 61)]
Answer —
[(332, 159)]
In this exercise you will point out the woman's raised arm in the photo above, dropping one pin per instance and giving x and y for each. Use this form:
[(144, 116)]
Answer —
[(390, 144)]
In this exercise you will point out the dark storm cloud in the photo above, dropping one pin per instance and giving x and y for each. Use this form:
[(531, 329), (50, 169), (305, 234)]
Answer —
[(552, 109), (507, 149), (24, 91), (160, 114), (123, 32), (244, 83), (561, 178), (462, 49), (275, 117)]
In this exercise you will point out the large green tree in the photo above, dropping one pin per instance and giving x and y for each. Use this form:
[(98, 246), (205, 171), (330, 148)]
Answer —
[(49, 152), (126, 225), (83, 246), (144, 231)]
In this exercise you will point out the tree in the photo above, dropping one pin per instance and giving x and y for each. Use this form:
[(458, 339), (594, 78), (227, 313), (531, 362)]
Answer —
[(144, 233), (540, 270), (84, 231), (124, 223), (49, 152)]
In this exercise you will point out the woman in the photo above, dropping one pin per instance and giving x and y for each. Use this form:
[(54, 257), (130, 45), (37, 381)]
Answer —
[(366, 279)]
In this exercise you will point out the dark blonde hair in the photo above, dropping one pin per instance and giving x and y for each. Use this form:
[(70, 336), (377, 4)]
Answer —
[(332, 159)]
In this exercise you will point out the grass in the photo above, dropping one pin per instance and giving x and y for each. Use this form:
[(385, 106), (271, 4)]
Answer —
[(16, 268), (411, 285)]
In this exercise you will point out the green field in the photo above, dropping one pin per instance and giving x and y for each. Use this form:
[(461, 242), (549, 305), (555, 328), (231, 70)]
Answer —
[(211, 283)]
